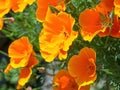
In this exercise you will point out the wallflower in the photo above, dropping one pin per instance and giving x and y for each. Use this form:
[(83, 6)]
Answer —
[(82, 67), (56, 36), (117, 7), (4, 7), (43, 7), (114, 31), (1, 23), (19, 5), (90, 22), (105, 6), (63, 81), (22, 56)]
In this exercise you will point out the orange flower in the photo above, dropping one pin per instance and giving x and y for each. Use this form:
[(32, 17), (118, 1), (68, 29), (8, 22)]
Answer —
[(19, 5), (63, 81), (43, 7), (114, 31), (22, 55), (117, 7), (1, 23), (105, 6), (82, 67), (56, 36), (4, 7), (90, 22)]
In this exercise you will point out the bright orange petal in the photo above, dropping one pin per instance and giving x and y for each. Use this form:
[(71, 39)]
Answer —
[(82, 67), (85, 87), (20, 5), (115, 29), (105, 6), (32, 60), (19, 51), (68, 21), (115, 32), (43, 7), (20, 48), (63, 81), (25, 74), (56, 35), (106, 33), (90, 22)]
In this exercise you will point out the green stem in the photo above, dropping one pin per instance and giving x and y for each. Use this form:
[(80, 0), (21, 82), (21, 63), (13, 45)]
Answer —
[(1, 52)]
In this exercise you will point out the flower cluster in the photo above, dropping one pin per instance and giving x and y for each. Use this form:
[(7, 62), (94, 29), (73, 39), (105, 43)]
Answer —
[(22, 56), (14, 5), (81, 72), (56, 37), (104, 19)]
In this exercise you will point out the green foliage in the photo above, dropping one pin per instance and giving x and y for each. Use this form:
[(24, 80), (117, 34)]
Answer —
[(25, 24)]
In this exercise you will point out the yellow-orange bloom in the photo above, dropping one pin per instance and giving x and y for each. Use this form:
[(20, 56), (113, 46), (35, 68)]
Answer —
[(114, 31), (22, 55), (90, 22), (63, 81), (82, 67), (4, 7), (1, 23), (43, 7), (117, 7), (56, 36), (19, 5)]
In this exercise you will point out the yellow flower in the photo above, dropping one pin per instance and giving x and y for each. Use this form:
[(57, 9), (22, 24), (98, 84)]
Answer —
[(56, 36), (22, 56)]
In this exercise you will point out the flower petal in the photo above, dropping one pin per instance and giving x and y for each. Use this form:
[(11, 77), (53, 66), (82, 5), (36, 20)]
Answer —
[(91, 25), (56, 35), (32, 60), (43, 7), (85, 87), (20, 48), (63, 81), (114, 31), (19, 52), (25, 74), (20, 5), (4, 7), (82, 67), (105, 6)]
